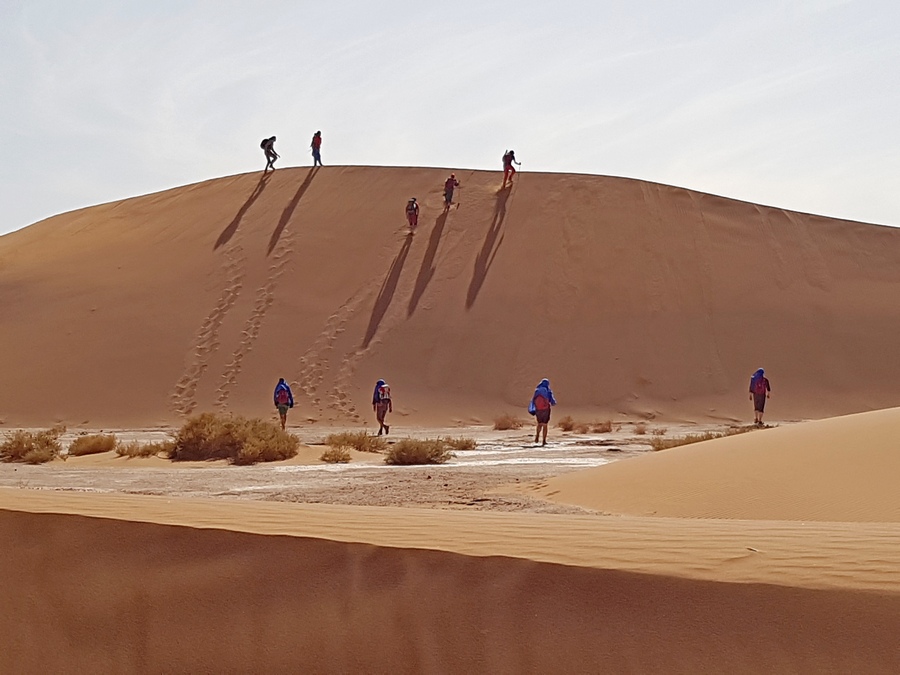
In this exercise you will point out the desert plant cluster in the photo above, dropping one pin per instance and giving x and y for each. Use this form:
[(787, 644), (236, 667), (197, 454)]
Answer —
[(415, 451), (32, 447), (505, 422), (359, 440), (233, 438), (659, 443)]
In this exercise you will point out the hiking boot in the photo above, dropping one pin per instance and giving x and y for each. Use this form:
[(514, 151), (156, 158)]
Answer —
[(387, 430)]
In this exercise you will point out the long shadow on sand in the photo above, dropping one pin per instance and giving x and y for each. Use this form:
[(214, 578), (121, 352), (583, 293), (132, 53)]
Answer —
[(232, 227), (289, 209), (427, 270), (489, 249), (388, 288)]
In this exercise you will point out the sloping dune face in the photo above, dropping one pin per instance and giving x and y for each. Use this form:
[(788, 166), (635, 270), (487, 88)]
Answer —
[(632, 297), (842, 469)]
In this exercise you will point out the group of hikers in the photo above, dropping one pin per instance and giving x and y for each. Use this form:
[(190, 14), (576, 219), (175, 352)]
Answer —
[(412, 206), (542, 402)]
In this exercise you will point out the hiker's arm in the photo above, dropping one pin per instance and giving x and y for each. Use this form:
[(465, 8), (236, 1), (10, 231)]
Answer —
[(390, 406)]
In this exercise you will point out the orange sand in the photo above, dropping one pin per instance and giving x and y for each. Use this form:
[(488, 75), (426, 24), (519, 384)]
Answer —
[(632, 297)]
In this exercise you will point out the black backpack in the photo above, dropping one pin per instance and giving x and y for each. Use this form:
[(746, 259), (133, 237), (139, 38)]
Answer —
[(263, 143)]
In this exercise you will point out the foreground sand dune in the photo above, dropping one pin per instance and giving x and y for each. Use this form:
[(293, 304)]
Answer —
[(633, 297), (111, 594), (840, 469)]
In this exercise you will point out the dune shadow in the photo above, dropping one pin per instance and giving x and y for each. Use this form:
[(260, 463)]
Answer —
[(489, 249), (386, 294), (289, 209), (232, 227), (427, 270)]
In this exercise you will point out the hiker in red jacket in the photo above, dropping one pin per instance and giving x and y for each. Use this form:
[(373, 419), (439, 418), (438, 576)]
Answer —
[(509, 158), (316, 146), (412, 213), (759, 392)]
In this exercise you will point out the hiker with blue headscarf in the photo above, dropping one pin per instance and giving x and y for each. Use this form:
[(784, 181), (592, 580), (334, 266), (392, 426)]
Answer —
[(759, 392), (381, 404), (540, 406)]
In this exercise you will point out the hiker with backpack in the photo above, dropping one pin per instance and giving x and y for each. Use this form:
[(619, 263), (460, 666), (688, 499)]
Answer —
[(759, 392), (412, 213), (509, 158), (540, 406), (316, 146), (449, 185), (268, 147), (381, 404), (284, 400)]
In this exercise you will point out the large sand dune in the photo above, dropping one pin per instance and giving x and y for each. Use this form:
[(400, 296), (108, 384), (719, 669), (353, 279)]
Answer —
[(632, 297)]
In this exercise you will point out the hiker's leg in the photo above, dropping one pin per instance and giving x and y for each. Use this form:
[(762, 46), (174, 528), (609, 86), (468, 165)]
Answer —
[(537, 432), (545, 433)]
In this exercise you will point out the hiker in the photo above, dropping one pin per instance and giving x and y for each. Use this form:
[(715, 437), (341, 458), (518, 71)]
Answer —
[(381, 404), (268, 146), (509, 158), (316, 146), (759, 392), (449, 185), (540, 406), (284, 399), (412, 213)]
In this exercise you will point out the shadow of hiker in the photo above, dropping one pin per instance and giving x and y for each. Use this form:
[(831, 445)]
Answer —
[(386, 294), (232, 227), (427, 270), (489, 249), (289, 209)]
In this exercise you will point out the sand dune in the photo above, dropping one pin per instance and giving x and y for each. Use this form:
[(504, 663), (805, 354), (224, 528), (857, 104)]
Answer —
[(840, 469), (118, 595), (633, 297)]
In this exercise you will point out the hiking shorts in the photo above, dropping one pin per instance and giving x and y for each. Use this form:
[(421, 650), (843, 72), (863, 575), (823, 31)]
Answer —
[(542, 416), (759, 402), (381, 410), (282, 409)]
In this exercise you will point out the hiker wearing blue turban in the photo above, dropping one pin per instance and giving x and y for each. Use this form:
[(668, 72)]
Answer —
[(540, 406), (759, 392)]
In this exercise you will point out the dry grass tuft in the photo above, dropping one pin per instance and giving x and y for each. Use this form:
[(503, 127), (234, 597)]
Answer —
[(640, 428), (92, 444), (506, 422), (413, 451), (336, 455), (566, 423), (582, 427), (659, 431), (236, 439), (461, 443), (138, 449), (659, 443), (32, 447), (359, 440), (602, 427)]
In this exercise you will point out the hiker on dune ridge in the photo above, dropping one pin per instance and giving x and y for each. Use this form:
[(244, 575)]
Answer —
[(316, 146), (759, 392), (268, 147)]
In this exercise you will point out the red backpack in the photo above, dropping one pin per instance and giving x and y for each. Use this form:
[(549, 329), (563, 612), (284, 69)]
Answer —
[(759, 387), (541, 403), (282, 396)]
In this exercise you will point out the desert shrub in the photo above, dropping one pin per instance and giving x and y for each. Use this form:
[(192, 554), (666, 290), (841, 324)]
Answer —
[(414, 451), (659, 443), (358, 440), (602, 427), (640, 428), (32, 447), (659, 431), (92, 444), (138, 449), (582, 427), (461, 443), (506, 422), (566, 423), (336, 455), (240, 441)]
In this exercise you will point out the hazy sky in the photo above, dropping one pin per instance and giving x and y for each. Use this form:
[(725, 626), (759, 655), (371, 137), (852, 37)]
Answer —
[(790, 103)]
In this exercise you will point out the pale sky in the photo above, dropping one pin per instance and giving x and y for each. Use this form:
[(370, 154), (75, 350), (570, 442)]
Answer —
[(788, 103)]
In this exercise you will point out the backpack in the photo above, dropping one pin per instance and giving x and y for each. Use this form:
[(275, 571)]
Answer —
[(384, 392), (282, 396), (541, 403), (263, 142), (759, 387)]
